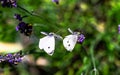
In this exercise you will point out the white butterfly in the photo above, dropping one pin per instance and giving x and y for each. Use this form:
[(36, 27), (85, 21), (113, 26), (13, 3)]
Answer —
[(70, 41), (47, 43)]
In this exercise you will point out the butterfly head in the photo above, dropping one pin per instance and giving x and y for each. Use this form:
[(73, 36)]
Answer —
[(76, 33), (51, 34)]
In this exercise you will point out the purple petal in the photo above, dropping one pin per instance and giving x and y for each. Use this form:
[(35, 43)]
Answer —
[(56, 1), (17, 28), (81, 38), (119, 29)]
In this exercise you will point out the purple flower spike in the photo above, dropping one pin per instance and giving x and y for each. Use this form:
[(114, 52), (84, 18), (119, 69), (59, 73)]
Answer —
[(8, 3), (9, 55), (18, 17), (11, 58), (24, 28), (81, 38), (56, 1), (119, 29)]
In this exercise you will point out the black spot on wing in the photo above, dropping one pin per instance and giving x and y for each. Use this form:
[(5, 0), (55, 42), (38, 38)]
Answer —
[(68, 44), (49, 47), (51, 52)]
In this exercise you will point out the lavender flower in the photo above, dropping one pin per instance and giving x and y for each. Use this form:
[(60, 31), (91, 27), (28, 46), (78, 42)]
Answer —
[(56, 1), (119, 29), (8, 3), (81, 38), (21, 27), (24, 28), (18, 17), (11, 58)]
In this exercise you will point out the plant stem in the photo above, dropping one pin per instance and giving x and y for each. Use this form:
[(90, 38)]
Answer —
[(32, 13), (92, 57)]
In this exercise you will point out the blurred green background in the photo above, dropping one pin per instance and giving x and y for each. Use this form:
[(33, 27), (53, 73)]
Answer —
[(97, 19)]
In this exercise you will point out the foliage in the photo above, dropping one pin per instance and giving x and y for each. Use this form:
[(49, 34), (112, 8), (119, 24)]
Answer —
[(97, 19)]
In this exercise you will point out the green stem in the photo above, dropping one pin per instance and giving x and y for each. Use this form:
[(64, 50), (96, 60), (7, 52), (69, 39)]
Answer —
[(32, 13), (92, 52), (92, 57)]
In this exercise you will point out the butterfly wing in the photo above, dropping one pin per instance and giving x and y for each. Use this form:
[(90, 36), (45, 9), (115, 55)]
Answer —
[(42, 43), (47, 44), (69, 42)]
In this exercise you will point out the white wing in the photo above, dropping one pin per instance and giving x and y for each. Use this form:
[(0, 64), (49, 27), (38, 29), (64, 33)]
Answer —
[(69, 42), (47, 44)]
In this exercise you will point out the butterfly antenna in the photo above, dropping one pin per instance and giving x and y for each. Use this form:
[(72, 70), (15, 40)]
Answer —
[(60, 37), (70, 30), (44, 33)]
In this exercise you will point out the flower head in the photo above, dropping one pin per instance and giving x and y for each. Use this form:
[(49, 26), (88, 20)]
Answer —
[(18, 17), (81, 38), (11, 58), (56, 1), (119, 29), (24, 28), (8, 3)]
